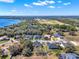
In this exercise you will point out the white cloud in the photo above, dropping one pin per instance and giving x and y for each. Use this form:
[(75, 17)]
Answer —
[(7, 1), (59, 1), (51, 6), (27, 5), (43, 3), (50, 2), (40, 3), (68, 3)]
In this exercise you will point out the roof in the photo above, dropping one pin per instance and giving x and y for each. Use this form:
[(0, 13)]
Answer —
[(37, 36), (48, 36), (28, 36), (52, 46), (37, 44), (57, 35), (68, 56), (3, 37)]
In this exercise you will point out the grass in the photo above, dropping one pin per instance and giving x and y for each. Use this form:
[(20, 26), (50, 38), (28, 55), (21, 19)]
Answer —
[(52, 22), (8, 57), (56, 52), (77, 48), (1, 42)]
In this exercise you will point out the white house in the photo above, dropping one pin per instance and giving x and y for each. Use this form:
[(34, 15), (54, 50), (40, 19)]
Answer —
[(4, 38)]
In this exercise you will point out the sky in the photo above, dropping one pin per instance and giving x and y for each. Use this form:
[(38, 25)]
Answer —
[(39, 7)]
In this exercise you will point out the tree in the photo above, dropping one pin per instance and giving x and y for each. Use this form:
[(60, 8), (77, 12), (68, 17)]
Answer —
[(27, 52), (70, 48), (72, 33), (15, 50), (27, 48)]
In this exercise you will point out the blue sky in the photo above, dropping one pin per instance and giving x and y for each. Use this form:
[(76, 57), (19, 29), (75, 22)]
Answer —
[(39, 7)]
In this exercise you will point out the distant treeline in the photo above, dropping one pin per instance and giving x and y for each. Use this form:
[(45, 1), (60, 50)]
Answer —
[(40, 17)]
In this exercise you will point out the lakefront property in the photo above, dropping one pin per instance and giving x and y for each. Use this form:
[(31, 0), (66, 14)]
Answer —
[(43, 39), (39, 29)]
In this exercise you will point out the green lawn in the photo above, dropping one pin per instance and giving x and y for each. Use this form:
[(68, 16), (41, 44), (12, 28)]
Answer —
[(8, 57), (55, 52), (3, 41)]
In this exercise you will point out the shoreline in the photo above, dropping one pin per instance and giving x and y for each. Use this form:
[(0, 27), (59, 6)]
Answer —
[(8, 22)]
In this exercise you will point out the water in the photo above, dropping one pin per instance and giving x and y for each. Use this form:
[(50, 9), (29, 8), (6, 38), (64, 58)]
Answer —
[(7, 22)]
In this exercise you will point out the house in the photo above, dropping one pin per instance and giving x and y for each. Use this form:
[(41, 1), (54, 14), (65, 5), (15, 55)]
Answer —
[(28, 36), (52, 46), (57, 35), (4, 38), (37, 37), (47, 37), (37, 44), (68, 56), (17, 37), (62, 43)]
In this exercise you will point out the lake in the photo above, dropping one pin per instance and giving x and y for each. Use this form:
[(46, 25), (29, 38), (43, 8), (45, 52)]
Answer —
[(7, 22)]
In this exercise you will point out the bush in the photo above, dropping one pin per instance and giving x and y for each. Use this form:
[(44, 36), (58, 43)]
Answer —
[(15, 50), (3, 53), (70, 48), (41, 52), (27, 52), (65, 27), (27, 48), (72, 33)]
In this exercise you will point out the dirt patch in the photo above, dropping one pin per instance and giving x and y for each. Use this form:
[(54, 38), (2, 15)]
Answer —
[(72, 38), (36, 57)]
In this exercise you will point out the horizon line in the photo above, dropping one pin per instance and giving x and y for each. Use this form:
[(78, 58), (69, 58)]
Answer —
[(39, 15)]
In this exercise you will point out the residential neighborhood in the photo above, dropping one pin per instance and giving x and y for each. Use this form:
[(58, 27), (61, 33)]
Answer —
[(46, 40)]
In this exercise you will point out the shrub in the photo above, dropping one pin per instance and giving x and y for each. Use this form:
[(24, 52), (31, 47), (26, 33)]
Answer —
[(15, 50), (27, 52), (27, 48)]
